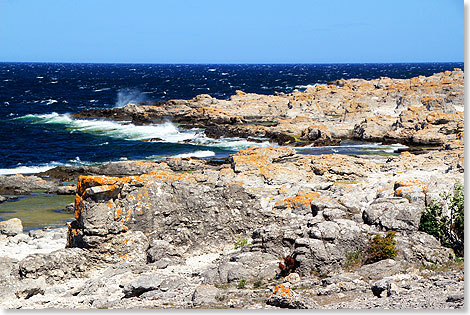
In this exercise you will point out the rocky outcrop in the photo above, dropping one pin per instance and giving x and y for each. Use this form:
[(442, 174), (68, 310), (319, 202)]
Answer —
[(168, 237), (419, 111), (266, 227), (20, 184), (289, 204)]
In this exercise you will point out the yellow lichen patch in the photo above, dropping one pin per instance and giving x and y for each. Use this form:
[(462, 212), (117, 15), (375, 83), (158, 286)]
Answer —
[(297, 202), (251, 161), (237, 183), (285, 292), (117, 213), (78, 206), (125, 257), (428, 99), (268, 151), (439, 117), (338, 163), (409, 183), (85, 182)]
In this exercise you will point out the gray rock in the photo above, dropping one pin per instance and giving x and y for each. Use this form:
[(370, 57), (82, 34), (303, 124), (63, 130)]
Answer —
[(250, 266), (206, 295), (20, 238), (70, 208), (55, 266), (380, 269), (395, 214), (161, 251), (30, 287), (284, 297), (8, 270), (20, 184), (11, 227), (456, 298), (142, 284), (379, 287)]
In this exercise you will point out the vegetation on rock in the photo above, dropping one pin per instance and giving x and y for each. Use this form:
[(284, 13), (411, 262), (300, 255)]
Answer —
[(449, 230), (381, 248), (241, 242)]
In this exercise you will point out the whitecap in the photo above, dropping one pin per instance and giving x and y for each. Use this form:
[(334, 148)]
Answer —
[(211, 70), (308, 86), (25, 170), (235, 144), (49, 101), (103, 89), (166, 131), (21, 169), (199, 154)]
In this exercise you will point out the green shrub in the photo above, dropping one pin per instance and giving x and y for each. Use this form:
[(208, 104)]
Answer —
[(381, 248), (241, 284), (241, 242), (449, 230), (353, 260)]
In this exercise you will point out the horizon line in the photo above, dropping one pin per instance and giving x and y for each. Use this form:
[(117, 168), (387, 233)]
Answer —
[(228, 63)]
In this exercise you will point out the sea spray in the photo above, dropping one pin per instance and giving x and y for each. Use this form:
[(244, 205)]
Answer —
[(166, 131), (127, 96)]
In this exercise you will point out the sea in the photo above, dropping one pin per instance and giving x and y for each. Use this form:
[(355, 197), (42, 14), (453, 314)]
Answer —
[(37, 132)]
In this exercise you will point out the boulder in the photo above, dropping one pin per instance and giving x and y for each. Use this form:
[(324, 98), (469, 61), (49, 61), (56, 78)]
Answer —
[(284, 297), (144, 283), (396, 214), (206, 295), (21, 184), (11, 227), (380, 269)]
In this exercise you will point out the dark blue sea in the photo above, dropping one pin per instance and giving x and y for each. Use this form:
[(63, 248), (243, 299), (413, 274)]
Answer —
[(36, 132)]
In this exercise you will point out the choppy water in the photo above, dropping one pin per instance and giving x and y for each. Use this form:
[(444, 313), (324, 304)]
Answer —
[(36, 132)]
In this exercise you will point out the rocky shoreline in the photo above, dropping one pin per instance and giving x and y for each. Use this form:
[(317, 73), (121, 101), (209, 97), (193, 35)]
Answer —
[(265, 228)]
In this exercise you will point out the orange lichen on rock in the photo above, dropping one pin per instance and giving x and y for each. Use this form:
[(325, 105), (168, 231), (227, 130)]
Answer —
[(71, 234), (339, 164), (85, 182), (78, 206), (269, 152), (297, 202), (117, 213), (442, 118), (285, 292), (250, 162), (402, 185)]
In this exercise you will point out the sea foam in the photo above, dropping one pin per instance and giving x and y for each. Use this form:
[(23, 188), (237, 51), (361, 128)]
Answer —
[(167, 131)]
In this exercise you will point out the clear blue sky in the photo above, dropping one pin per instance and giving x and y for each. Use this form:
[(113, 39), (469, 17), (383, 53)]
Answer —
[(232, 31)]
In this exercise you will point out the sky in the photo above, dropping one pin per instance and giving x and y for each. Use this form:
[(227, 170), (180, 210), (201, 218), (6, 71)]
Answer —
[(232, 31)]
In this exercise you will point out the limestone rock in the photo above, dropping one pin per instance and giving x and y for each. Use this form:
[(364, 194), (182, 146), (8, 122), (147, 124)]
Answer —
[(21, 184), (284, 297), (205, 295), (11, 227)]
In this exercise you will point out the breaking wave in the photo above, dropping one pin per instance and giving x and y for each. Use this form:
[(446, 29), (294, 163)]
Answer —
[(166, 132)]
